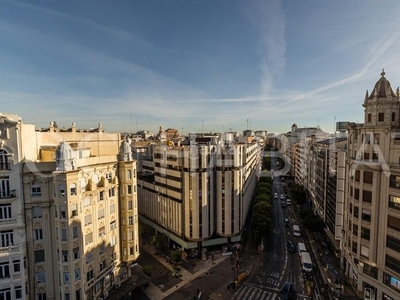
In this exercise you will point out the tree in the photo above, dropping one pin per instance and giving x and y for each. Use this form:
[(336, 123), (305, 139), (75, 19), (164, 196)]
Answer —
[(262, 197), (261, 218), (159, 241), (176, 256), (299, 194), (267, 179), (147, 270)]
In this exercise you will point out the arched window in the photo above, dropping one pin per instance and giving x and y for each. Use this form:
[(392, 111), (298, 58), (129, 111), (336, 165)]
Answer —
[(129, 174), (95, 178), (72, 189), (108, 177), (61, 190), (4, 165)]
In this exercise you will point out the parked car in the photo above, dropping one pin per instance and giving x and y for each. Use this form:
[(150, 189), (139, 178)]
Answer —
[(291, 246), (282, 196), (288, 202), (286, 222), (283, 204), (287, 292)]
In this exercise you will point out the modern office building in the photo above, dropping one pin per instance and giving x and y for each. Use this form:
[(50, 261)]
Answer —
[(199, 193), (76, 192), (372, 220)]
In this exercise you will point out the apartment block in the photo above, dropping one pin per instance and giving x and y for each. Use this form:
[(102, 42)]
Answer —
[(77, 194), (372, 219), (199, 193)]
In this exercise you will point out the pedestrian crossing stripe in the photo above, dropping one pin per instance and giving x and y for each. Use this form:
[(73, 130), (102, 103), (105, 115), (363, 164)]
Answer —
[(251, 293)]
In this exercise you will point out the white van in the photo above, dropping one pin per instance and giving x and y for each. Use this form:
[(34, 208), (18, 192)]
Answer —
[(296, 230), (306, 263), (301, 248)]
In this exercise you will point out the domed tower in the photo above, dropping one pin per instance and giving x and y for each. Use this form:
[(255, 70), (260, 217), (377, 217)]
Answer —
[(125, 151), (65, 157), (382, 106)]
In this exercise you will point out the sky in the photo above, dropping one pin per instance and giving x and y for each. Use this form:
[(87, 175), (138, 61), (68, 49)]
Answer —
[(196, 66)]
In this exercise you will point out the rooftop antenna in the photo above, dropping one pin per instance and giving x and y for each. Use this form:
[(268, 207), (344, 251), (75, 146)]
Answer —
[(247, 123)]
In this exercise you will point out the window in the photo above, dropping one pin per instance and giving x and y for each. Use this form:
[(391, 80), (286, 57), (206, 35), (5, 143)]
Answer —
[(67, 296), (368, 177), (369, 117), (112, 208), (82, 183), (356, 194), (4, 270), (18, 292), (357, 176), (86, 201), (366, 215), (381, 117), (354, 248), (130, 220), (102, 231), (394, 202), (393, 223), (100, 214), (5, 294), (111, 192), (112, 225), (131, 252), (63, 214), (102, 265), (88, 238), (63, 234), (376, 138), (88, 220), (5, 211), (4, 165), (74, 211), (5, 191), (77, 274), (37, 212), (355, 229), (108, 177), (64, 255), (370, 271), (392, 263), (41, 296), (38, 234), (393, 243), (75, 253), (128, 174), (61, 190), (101, 196), (39, 255), (72, 189), (7, 238), (129, 189), (74, 231), (393, 116), (66, 277), (17, 266), (367, 196), (89, 275), (102, 248), (365, 233), (130, 235), (78, 294), (113, 240), (355, 212), (89, 257), (394, 181), (36, 191)]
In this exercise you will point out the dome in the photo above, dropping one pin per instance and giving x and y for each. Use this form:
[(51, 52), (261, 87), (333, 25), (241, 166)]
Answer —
[(382, 88), (64, 152)]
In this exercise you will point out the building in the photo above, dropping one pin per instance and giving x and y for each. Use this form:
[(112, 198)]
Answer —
[(77, 195), (372, 217), (199, 193)]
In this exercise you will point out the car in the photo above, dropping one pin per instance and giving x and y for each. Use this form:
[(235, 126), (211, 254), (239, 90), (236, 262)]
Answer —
[(286, 222), (275, 196), (287, 292), (291, 246), (288, 202), (283, 204), (282, 196)]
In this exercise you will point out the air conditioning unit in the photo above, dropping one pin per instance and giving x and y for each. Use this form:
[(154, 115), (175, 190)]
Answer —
[(117, 286)]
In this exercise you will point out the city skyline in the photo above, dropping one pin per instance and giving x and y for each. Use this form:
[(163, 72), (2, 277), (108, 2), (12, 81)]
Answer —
[(214, 66)]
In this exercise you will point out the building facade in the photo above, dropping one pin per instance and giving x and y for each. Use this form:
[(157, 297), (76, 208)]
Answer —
[(372, 219), (199, 194), (79, 202)]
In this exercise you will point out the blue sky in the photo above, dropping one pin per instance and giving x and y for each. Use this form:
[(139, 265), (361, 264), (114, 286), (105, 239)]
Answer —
[(195, 65)]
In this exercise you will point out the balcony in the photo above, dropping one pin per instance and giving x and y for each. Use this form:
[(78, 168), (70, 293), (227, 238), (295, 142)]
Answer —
[(7, 194), (18, 249)]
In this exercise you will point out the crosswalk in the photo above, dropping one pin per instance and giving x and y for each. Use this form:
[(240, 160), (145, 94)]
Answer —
[(252, 293)]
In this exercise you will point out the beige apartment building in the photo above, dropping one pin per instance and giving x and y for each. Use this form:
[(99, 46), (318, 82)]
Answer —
[(76, 191), (372, 219), (199, 194)]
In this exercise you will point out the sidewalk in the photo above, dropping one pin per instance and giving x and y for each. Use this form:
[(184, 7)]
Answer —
[(329, 265), (202, 268)]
